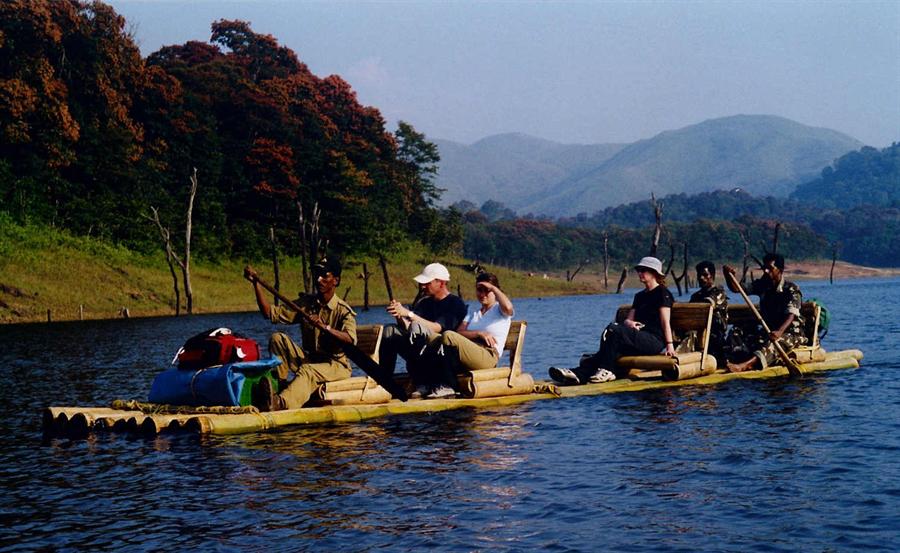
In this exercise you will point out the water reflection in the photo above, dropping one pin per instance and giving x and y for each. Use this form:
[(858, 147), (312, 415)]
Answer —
[(778, 465)]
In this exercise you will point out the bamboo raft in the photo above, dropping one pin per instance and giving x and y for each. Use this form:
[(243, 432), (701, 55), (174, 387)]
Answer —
[(358, 399), (81, 421)]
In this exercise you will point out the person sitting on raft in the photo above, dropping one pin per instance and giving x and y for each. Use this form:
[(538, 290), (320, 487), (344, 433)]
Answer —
[(710, 293), (645, 331), (478, 341), (421, 326), (779, 305), (321, 359)]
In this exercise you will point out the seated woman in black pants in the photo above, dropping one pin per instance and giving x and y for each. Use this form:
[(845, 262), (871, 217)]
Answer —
[(646, 331)]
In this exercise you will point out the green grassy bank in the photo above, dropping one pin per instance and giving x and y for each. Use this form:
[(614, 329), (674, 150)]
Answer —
[(44, 268)]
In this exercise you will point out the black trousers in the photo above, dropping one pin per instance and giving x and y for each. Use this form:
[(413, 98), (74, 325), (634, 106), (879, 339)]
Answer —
[(422, 364), (618, 340)]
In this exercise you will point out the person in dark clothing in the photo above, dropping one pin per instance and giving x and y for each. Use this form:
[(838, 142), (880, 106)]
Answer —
[(420, 327), (645, 331), (710, 293), (779, 305)]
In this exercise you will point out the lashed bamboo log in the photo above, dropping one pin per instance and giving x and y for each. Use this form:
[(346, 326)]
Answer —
[(658, 362), (690, 370), (498, 387), (376, 394)]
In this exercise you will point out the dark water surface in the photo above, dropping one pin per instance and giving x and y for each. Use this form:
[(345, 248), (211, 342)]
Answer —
[(777, 465)]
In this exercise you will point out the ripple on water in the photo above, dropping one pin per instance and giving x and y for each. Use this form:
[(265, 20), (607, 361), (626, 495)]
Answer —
[(774, 465)]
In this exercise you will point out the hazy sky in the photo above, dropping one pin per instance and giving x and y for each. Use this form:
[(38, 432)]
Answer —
[(580, 71)]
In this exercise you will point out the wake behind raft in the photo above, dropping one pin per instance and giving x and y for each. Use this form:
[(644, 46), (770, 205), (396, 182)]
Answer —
[(216, 399)]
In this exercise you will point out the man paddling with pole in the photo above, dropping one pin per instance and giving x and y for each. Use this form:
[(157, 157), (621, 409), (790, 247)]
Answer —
[(781, 324), (326, 322)]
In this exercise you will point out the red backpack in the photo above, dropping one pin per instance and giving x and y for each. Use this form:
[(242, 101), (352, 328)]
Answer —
[(216, 346)]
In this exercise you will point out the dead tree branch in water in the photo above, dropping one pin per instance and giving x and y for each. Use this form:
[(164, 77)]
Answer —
[(275, 268), (657, 213), (170, 255), (606, 261), (622, 280)]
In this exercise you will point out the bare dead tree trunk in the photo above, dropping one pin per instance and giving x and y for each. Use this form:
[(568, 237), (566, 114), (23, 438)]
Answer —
[(347, 293), (671, 260), (606, 261), (570, 278), (303, 246), (365, 276), (657, 213), (622, 280), (834, 252), (684, 273), (274, 253), (186, 266), (312, 249), (746, 261), (775, 238), (170, 256)]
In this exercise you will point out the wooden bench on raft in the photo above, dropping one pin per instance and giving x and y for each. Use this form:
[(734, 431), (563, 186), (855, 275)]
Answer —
[(687, 318), (499, 381), (741, 316)]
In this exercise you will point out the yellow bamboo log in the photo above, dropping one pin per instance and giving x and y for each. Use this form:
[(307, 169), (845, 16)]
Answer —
[(490, 374), (377, 394), (355, 383), (853, 353), (804, 354), (658, 362), (521, 384), (684, 371), (80, 425)]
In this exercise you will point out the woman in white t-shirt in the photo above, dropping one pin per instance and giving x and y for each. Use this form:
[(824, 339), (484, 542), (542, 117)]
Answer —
[(478, 341)]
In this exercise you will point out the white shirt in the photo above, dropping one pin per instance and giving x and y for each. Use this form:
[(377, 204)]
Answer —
[(494, 322)]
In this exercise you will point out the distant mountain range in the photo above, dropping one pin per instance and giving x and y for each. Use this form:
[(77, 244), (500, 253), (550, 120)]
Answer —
[(761, 154)]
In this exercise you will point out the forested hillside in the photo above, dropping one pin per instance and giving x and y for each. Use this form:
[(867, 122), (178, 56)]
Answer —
[(92, 137), (866, 177), (763, 154), (854, 206)]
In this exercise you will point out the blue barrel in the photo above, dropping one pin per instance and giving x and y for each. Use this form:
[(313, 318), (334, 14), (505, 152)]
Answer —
[(227, 385)]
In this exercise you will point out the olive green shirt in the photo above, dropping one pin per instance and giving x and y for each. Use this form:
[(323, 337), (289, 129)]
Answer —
[(318, 345)]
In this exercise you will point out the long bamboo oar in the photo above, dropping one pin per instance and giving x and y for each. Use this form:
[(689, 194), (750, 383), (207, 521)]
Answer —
[(792, 366), (363, 361)]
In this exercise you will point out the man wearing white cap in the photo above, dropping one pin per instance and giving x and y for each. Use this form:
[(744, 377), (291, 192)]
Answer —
[(420, 326)]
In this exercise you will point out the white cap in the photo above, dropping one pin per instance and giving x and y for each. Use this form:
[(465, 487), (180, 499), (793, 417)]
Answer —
[(435, 271), (651, 263)]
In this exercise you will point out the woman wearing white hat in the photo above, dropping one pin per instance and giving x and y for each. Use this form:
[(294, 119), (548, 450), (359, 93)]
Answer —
[(645, 331)]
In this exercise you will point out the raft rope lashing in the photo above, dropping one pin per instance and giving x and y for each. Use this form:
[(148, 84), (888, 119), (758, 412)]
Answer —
[(546, 388), (165, 409)]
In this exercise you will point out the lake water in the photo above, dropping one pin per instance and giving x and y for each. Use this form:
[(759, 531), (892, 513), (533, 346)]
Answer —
[(776, 465)]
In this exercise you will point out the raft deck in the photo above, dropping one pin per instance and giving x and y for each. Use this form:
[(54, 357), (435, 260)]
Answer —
[(81, 421)]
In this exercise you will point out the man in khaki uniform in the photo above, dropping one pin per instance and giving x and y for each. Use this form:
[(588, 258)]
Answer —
[(321, 359)]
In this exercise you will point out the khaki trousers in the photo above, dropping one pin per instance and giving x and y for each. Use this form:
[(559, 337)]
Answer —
[(308, 376), (472, 355)]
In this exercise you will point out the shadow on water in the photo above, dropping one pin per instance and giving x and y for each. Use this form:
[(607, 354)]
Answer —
[(775, 465)]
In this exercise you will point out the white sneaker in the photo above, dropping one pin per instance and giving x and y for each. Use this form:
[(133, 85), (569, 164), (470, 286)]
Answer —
[(441, 392), (564, 376), (602, 375)]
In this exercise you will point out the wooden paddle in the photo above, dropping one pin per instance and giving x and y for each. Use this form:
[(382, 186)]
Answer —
[(390, 291), (792, 366), (363, 361), (387, 280)]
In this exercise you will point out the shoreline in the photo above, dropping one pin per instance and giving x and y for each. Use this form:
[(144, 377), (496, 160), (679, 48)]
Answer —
[(589, 284)]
